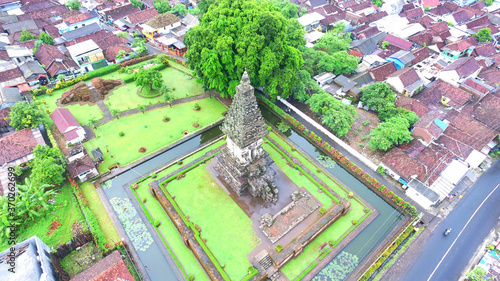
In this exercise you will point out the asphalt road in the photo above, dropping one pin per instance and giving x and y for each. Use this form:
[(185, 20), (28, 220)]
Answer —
[(444, 258)]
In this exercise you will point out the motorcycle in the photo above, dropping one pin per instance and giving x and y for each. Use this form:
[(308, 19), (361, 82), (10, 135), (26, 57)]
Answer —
[(447, 231)]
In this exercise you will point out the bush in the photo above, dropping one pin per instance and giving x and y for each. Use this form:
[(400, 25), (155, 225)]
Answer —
[(322, 210), (279, 248), (121, 133), (153, 175), (196, 106), (381, 170), (102, 71), (136, 60), (354, 222), (156, 223), (42, 90), (129, 79)]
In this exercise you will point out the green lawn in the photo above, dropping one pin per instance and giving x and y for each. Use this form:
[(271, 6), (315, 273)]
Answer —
[(100, 213), (82, 113), (181, 67), (227, 229), (167, 229), (126, 99), (149, 131), (67, 212)]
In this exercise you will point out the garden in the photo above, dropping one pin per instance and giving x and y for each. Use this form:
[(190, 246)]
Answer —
[(231, 254), (130, 138)]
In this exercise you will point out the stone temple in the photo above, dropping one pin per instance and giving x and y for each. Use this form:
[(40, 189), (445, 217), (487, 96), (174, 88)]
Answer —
[(243, 163)]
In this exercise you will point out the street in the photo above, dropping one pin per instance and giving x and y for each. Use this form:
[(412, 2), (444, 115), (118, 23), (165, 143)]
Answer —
[(445, 257)]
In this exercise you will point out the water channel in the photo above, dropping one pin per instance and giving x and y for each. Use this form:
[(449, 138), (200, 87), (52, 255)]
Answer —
[(159, 264)]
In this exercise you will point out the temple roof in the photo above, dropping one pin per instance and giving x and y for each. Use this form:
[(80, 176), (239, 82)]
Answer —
[(244, 123)]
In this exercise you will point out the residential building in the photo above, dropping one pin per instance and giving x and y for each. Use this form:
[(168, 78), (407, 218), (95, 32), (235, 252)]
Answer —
[(380, 73), (11, 76), (19, 54), (34, 74), (324, 78), (32, 261), (81, 32), (82, 167), (459, 48), (55, 61), (67, 125), (140, 17), (462, 3), (9, 97), (111, 267), (311, 21), (78, 21), (160, 24), (460, 70), (405, 81), (401, 59), (87, 55), (7, 5)]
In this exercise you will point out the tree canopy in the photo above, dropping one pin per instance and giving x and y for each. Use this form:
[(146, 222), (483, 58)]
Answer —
[(161, 6), (47, 170), (333, 42), (245, 34), (391, 133), (318, 61), (287, 8), (483, 35), (410, 116), (378, 96), (148, 77), (26, 36), (25, 115), (46, 39), (74, 5), (180, 9), (334, 113)]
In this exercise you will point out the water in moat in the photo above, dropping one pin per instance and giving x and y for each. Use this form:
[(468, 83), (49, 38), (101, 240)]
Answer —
[(159, 264)]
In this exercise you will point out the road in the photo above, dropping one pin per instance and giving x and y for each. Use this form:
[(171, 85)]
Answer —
[(444, 258)]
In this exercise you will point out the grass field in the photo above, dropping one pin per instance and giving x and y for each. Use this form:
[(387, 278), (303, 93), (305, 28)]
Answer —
[(227, 229), (167, 229), (66, 212), (149, 131), (102, 216)]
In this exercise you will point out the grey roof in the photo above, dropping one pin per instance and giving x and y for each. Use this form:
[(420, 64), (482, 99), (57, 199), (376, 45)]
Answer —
[(368, 45), (494, 19), (10, 95), (20, 25), (318, 3), (404, 56), (346, 83), (363, 79), (424, 190), (179, 45), (82, 31), (32, 261), (9, 18), (31, 67), (415, 85), (97, 153)]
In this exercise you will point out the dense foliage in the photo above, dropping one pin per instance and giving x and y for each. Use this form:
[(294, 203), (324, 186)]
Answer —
[(48, 166), (288, 9), (391, 133), (25, 115), (180, 9), (245, 34), (483, 35), (334, 114), (26, 36), (410, 116), (74, 5), (378, 96), (161, 6), (150, 78)]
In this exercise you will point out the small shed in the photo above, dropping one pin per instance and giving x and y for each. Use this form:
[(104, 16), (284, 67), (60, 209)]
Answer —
[(324, 78), (97, 154)]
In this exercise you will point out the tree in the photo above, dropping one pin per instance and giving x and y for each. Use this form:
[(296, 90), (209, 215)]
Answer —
[(26, 36), (319, 61), (121, 54), (379, 3), (203, 5), (378, 96), (488, 2), (61, 77), (391, 133), (334, 114), (47, 170), (306, 86), (477, 274), (161, 6), (194, 11), (137, 4), (167, 97), (244, 34), (483, 35), (93, 122), (46, 39), (288, 9), (74, 5), (25, 115), (142, 108), (137, 42), (410, 116), (38, 43), (122, 34), (142, 50), (44, 151), (180, 9), (384, 45), (333, 42), (151, 78), (116, 112)]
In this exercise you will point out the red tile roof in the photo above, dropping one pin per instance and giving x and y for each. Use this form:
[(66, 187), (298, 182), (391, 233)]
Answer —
[(423, 38), (355, 53), (79, 167), (420, 54), (398, 42), (476, 86), (471, 131), (488, 111), (463, 66), (425, 21), (412, 105), (406, 75), (142, 16), (414, 13), (460, 16), (425, 128), (381, 72), (109, 268), (111, 52), (477, 22), (16, 145), (405, 165), (457, 96), (47, 55), (485, 50), (10, 74), (79, 18), (3, 114), (430, 3)]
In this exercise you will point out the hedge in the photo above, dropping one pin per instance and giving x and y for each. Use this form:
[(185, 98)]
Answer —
[(307, 271), (372, 182), (136, 60), (325, 253), (102, 71)]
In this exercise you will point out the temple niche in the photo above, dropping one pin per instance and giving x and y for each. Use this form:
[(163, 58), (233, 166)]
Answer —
[(243, 163)]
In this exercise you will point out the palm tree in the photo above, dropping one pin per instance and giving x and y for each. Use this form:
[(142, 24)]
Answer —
[(93, 122), (142, 108), (116, 112), (165, 91)]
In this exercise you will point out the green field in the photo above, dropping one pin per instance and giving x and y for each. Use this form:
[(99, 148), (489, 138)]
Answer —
[(149, 131), (67, 213)]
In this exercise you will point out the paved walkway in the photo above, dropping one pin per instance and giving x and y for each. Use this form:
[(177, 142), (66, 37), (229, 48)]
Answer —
[(348, 151)]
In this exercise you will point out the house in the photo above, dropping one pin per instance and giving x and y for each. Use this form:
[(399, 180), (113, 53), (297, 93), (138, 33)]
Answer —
[(112, 52), (324, 78), (462, 3), (430, 3), (4, 124), (311, 21), (55, 61), (411, 105), (398, 42), (488, 111), (367, 46), (78, 21), (485, 50), (32, 261), (82, 168), (118, 12), (19, 26), (347, 86), (405, 81), (160, 24), (33, 73), (19, 54), (11, 76), (140, 17), (459, 48), (81, 32), (9, 97), (477, 88), (316, 3), (111, 267), (97, 154), (16, 149), (442, 93), (380, 73), (7, 5), (87, 55), (68, 126), (401, 59), (172, 45), (460, 70)]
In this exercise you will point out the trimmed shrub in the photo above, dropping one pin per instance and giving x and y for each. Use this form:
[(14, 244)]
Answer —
[(102, 71), (153, 175), (322, 210), (279, 248), (196, 106), (121, 134)]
